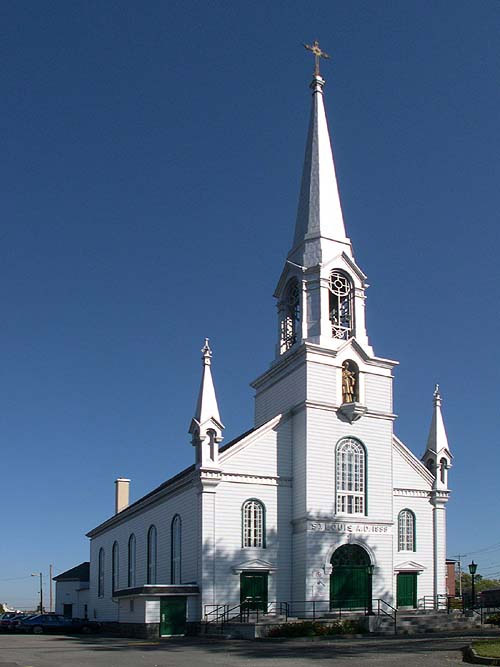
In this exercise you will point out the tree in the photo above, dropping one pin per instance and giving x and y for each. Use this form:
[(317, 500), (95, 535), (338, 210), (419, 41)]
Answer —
[(480, 583)]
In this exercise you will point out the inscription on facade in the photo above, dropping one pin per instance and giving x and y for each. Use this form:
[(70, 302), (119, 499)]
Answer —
[(341, 527)]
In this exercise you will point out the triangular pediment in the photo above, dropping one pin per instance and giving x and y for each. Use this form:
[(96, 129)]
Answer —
[(254, 565), (344, 259), (409, 566)]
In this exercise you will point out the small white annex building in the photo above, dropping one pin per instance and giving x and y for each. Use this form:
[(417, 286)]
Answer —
[(72, 591), (319, 501)]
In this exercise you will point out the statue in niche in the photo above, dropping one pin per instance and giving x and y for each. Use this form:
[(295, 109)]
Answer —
[(349, 382)]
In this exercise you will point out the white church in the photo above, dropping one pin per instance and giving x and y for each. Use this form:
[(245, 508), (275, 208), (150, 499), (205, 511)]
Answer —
[(319, 501)]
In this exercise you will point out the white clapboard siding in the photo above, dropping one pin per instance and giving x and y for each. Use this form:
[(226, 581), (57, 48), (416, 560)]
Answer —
[(183, 503), (378, 393), (322, 381), (409, 472), (280, 396), (268, 452)]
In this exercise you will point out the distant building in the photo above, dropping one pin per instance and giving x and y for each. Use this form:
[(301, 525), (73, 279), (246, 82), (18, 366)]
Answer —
[(450, 577), (72, 591)]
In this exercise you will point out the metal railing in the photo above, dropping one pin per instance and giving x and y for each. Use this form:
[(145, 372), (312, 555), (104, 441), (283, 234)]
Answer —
[(244, 612), (251, 611), (486, 611), (440, 602)]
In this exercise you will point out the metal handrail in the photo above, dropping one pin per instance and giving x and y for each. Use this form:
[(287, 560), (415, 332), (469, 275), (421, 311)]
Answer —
[(486, 610), (224, 613)]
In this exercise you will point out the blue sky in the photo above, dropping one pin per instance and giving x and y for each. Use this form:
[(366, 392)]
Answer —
[(151, 160)]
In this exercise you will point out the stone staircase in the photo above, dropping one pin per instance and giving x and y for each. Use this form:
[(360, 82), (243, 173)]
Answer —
[(421, 622)]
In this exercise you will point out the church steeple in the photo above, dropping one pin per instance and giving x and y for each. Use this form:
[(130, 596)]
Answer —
[(319, 214), (437, 457), (321, 292), (206, 426)]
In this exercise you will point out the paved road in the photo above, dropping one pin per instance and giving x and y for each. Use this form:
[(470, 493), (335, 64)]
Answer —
[(57, 651)]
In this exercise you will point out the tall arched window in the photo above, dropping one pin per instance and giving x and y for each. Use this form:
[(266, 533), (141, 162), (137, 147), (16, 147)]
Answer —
[(289, 313), (351, 477), (100, 574), (253, 524), (151, 573), (341, 305), (115, 568), (176, 549), (406, 531), (131, 561)]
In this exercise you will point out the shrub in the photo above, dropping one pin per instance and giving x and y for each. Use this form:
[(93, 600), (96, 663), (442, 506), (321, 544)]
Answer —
[(494, 619), (315, 629)]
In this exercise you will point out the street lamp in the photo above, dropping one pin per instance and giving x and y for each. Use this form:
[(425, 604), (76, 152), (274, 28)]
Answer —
[(41, 590), (472, 570)]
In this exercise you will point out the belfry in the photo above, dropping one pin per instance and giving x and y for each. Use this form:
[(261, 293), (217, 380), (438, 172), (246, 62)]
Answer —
[(319, 502)]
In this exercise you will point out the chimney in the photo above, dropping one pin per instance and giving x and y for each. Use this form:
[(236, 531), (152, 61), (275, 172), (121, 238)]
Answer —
[(122, 488)]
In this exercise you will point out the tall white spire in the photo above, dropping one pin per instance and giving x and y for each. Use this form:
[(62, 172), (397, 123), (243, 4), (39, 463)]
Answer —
[(437, 456), (319, 216), (437, 440), (206, 406), (206, 426)]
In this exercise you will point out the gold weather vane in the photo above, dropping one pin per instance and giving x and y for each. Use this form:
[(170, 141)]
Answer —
[(318, 53)]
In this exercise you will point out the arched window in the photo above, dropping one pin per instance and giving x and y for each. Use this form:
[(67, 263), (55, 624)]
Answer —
[(151, 573), (443, 467), (341, 305), (100, 574), (131, 561), (351, 477), (176, 552), (253, 524), (406, 531), (115, 568), (289, 309), (350, 382)]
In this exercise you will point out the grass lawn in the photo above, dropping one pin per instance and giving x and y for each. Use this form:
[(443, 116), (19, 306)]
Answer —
[(489, 648)]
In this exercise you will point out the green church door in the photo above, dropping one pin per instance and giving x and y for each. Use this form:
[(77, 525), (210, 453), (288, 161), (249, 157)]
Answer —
[(351, 579), (253, 590), (172, 616), (407, 589)]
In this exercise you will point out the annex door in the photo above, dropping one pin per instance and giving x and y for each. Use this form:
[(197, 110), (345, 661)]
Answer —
[(407, 589), (172, 616), (351, 578), (253, 590)]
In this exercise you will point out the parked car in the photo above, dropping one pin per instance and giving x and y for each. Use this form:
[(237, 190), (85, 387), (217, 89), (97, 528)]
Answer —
[(56, 623), (17, 620), (6, 619)]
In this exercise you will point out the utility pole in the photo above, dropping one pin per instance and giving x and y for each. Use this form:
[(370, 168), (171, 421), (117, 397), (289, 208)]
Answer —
[(41, 591), (459, 557), (51, 600)]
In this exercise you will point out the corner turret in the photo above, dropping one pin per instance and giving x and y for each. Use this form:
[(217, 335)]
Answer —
[(206, 426)]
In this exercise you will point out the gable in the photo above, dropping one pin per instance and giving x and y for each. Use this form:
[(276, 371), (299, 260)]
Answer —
[(408, 471), (264, 451)]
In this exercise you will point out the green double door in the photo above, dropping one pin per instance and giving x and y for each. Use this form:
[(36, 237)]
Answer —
[(350, 587), (407, 589), (172, 616), (351, 578), (253, 590)]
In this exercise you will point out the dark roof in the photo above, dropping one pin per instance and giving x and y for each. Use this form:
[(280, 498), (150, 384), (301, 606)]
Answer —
[(237, 439), (166, 484), (80, 572)]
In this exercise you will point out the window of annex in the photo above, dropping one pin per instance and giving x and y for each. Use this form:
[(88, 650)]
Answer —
[(253, 523), (341, 305), (151, 556), (100, 574), (115, 568), (350, 477), (131, 561), (176, 550), (289, 315), (406, 531)]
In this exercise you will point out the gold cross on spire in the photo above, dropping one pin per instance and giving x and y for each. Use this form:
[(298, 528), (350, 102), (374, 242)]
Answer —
[(318, 53)]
